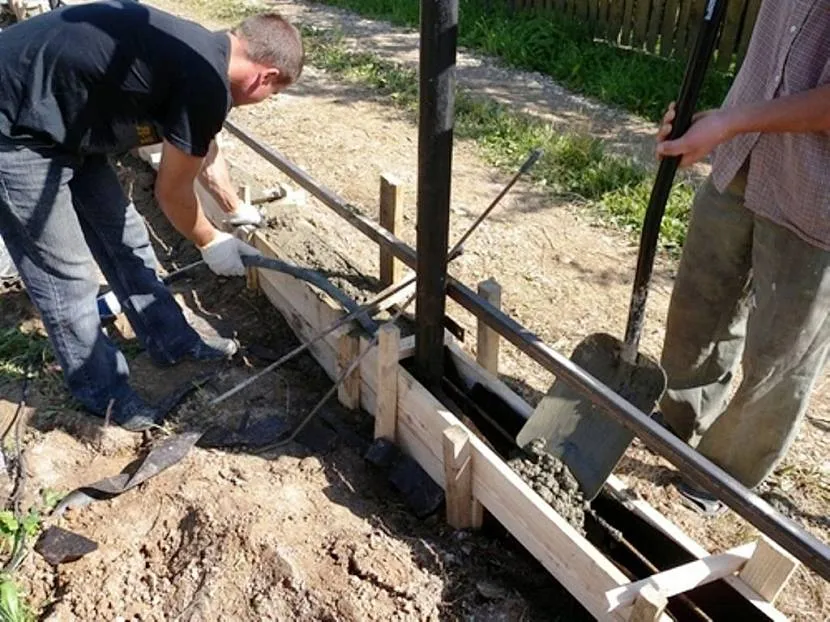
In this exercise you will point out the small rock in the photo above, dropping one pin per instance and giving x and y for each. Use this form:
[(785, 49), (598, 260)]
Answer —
[(309, 464), (491, 591)]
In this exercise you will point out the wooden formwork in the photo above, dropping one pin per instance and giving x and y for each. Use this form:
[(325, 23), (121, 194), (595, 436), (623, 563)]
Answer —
[(475, 478)]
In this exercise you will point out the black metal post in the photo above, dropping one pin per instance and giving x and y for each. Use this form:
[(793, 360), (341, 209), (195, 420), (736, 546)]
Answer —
[(439, 31)]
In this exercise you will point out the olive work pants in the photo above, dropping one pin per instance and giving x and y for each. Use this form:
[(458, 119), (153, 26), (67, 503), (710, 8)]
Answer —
[(749, 294)]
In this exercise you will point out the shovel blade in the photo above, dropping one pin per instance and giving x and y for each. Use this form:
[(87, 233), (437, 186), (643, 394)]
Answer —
[(589, 441)]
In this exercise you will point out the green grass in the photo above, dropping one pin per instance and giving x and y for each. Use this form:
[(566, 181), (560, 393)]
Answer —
[(573, 165), (22, 353), (565, 50)]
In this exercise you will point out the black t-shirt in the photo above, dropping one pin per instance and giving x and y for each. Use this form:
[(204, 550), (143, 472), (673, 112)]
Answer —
[(108, 76)]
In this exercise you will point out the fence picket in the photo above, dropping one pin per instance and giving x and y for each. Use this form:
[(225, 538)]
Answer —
[(747, 27), (667, 27), (667, 33), (615, 19), (684, 26), (729, 34), (654, 23), (628, 15), (641, 22), (603, 19)]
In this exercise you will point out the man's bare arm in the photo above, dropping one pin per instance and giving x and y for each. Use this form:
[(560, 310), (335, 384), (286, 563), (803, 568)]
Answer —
[(804, 112), (217, 180), (177, 198)]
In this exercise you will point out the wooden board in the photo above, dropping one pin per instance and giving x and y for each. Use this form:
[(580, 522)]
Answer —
[(729, 34), (667, 32), (473, 373)]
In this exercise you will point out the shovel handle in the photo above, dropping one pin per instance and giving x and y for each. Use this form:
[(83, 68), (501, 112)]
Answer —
[(686, 103)]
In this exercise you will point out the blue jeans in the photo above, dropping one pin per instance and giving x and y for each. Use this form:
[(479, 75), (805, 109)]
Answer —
[(60, 214)]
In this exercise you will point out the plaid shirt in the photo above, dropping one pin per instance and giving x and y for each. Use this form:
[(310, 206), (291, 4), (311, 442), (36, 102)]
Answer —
[(789, 174)]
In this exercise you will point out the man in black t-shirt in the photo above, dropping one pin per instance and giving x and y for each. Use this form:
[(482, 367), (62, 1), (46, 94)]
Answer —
[(85, 81)]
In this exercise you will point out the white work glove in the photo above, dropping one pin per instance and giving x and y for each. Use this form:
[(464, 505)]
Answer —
[(245, 214), (224, 253)]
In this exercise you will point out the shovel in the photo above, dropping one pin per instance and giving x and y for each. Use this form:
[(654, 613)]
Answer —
[(585, 438)]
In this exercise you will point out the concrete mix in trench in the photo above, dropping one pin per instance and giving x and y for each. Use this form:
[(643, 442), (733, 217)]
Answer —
[(551, 480)]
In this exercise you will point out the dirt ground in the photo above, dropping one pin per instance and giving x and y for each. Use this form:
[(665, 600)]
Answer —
[(315, 532), (310, 532)]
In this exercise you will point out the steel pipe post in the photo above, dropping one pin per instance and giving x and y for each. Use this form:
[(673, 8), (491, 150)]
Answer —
[(439, 31)]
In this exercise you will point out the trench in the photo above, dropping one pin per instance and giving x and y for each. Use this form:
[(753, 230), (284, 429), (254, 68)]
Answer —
[(636, 546)]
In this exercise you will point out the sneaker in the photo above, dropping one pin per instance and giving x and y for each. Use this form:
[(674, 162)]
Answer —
[(701, 501), (211, 348), (133, 414), (208, 348)]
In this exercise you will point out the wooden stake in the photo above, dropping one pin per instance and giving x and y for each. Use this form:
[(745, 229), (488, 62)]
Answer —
[(252, 274), (348, 348), (648, 606), (463, 511), (391, 219), (488, 339), (386, 413), (245, 193), (769, 569)]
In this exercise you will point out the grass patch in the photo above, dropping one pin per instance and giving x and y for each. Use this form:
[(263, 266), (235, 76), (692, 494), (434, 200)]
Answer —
[(573, 165), (227, 10), (22, 353), (561, 48)]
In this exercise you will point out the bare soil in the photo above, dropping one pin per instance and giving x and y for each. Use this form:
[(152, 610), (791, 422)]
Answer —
[(308, 532), (315, 532)]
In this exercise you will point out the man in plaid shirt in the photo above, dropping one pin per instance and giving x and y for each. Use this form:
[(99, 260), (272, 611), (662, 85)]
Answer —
[(753, 286)]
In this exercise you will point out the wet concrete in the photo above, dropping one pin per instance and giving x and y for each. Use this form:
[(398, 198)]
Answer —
[(551, 480)]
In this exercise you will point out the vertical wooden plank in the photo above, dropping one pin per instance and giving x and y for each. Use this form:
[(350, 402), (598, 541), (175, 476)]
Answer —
[(463, 511), (627, 22), (615, 19), (655, 21), (583, 10), (684, 27), (348, 348), (252, 274), (488, 339), (391, 219), (751, 14), (641, 14), (695, 17), (648, 606), (602, 19), (769, 569), (669, 29), (386, 409), (729, 34), (592, 13)]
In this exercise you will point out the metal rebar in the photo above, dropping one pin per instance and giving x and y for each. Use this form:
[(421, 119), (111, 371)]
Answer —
[(808, 549), (364, 309)]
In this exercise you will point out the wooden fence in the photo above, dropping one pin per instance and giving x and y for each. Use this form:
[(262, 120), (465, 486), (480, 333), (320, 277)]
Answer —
[(665, 27)]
